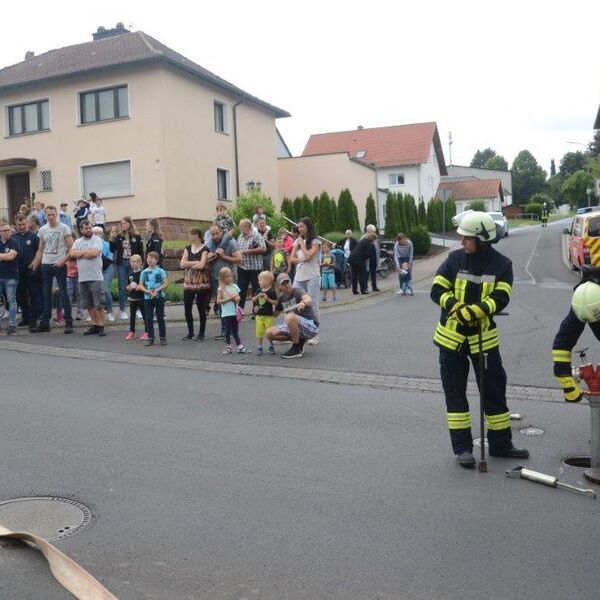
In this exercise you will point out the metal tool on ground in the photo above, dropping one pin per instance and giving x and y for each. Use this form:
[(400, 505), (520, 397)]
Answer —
[(590, 373), (521, 472)]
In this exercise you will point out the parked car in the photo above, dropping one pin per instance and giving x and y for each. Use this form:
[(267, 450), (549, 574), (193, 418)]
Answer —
[(501, 223), (584, 240)]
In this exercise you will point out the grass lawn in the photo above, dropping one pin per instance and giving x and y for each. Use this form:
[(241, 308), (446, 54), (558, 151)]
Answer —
[(175, 243), (521, 223)]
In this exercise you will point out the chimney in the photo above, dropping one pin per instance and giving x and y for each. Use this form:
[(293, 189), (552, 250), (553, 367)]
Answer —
[(104, 33), (360, 127), (29, 54)]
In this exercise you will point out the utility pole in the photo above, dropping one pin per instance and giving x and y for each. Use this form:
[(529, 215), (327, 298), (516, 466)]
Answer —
[(450, 146)]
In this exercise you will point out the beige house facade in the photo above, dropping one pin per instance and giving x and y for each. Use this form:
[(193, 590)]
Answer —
[(151, 133), (329, 173)]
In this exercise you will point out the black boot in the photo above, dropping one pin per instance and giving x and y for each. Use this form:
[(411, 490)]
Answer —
[(510, 452), (466, 459), (501, 444)]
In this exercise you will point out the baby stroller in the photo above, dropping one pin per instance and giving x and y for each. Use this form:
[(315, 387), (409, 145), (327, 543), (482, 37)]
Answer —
[(342, 268)]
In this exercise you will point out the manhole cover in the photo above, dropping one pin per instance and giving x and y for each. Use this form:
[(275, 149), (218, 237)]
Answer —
[(577, 461), (477, 442), (531, 430), (48, 517)]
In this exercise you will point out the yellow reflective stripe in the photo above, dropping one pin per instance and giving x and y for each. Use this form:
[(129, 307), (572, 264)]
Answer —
[(479, 312), (502, 286), (459, 420), (561, 355), (486, 289), (445, 297), (498, 422), (453, 335), (489, 340), (460, 288), (490, 304), (441, 280)]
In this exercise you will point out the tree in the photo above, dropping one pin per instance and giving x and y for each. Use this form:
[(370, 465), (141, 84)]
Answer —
[(412, 211), (246, 203), (391, 227), (552, 168), (571, 162), (371, 212), (315, 209), (540, 198), (575, 188), (496, 162), (528, 177), (422, 212), (307, 208), (594, 145), (297, 208), (434, 215), (481, 157), (400, 214), (477, 205), (450, 212), (345, 217), (555, 189), (287, 209), (325, 218)]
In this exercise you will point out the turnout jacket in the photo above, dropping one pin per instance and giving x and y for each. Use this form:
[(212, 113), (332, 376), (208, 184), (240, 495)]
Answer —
[(483, 278), (568, 334)]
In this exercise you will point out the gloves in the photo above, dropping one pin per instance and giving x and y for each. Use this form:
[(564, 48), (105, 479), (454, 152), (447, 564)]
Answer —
[(468, 314), (572, 392)]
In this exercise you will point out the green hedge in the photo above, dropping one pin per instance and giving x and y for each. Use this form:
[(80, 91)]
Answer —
[(173, 293), (421, 239), (338, 236)]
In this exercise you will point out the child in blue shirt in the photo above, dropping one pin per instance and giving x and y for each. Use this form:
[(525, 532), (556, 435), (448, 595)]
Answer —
[(153, 282), (228, 296)]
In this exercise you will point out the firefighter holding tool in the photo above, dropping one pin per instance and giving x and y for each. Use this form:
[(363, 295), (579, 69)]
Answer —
[(585, 309), (471, 286)]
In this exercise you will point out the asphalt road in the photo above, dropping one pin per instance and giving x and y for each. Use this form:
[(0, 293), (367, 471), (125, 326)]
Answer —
[(217, 485)]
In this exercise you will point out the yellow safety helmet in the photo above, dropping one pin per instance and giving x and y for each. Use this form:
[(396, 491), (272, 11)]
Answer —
[(586, 302)]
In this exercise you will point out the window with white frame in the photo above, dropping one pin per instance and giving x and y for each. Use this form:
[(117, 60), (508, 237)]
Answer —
[(45, 184), (396, 178), (108, 180), (103, 105), (29, 117), (222, 184), (220, 110)]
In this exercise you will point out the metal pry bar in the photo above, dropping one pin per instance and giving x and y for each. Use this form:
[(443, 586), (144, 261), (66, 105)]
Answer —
[(521, 472)]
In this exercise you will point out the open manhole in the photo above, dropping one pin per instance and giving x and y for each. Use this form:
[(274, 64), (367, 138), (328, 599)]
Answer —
[(529, 430), (48, 517), (577, 461)]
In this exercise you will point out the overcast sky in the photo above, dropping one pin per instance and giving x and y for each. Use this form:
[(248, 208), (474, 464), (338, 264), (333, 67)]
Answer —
[(511, 75)]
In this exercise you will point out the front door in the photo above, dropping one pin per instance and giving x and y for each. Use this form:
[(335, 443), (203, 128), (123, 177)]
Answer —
[(18, 192)]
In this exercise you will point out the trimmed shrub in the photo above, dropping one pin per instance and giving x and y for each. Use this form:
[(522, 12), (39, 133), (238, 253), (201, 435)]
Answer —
[(307, 208), (338, 236), (287, 209), (391, 227), (534, 208), (246, 204), (371, 213), (345, 215), (421, 240), (477, 205), (325, 218), (422, 213), (173, 292)]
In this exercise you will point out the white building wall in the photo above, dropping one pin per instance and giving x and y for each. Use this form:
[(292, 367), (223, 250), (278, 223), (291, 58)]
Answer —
[(430, 177)]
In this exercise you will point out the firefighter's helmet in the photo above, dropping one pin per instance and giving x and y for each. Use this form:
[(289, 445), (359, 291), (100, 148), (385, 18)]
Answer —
[(478, 224), (586, 302)]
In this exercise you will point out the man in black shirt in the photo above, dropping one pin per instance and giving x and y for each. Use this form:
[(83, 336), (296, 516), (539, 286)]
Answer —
[(29, 289), (9, 272)]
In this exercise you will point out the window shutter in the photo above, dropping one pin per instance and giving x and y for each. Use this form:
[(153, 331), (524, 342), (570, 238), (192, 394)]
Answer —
[(109, 180)]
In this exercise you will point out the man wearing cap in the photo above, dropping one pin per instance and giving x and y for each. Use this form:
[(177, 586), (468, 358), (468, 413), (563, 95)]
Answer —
[(300, 322)]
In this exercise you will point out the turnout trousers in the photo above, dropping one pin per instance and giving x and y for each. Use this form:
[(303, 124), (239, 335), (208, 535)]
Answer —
[(454, 369)]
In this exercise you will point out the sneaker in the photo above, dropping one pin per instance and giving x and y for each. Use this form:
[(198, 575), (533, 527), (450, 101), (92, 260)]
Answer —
[(189, 336), (124, 316), (130, 336), (32, 326), (315, 341), (88, 319), (93, 330), (227, 350), (271, 349), (466, 459), (138, 315), (149, 342), (294, 352), (79, 316), (69, 328), (400, 292), (11, 329), (23, 324), (101, 331), (323, 299), (200, 337), (41, 328), (110, 318), (334, 299), (243, 350), (259, 351), (144, 337), (221, 336), (410, 292), (163, 341)]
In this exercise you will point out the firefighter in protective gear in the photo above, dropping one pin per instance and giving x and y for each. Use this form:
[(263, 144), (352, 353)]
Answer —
[(585, 308), (471, 286), (545, 215)]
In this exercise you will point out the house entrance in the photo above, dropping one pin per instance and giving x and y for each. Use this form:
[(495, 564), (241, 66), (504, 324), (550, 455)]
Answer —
[(18, 192)]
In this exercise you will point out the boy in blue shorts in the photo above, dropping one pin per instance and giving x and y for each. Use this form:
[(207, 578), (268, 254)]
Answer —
[(327, 273)]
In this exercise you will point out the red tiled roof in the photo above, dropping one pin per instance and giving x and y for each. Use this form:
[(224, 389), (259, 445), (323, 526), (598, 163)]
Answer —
[(385, 146), (471, 189)]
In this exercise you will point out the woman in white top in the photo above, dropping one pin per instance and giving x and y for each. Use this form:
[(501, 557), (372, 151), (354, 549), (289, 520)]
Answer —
[(97, 211), (305, 255)]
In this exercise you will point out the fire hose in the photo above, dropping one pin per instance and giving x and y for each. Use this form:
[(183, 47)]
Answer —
[(74, 578)]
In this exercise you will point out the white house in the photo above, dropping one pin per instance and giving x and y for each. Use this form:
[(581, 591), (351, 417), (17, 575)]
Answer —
[(407, 158)]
